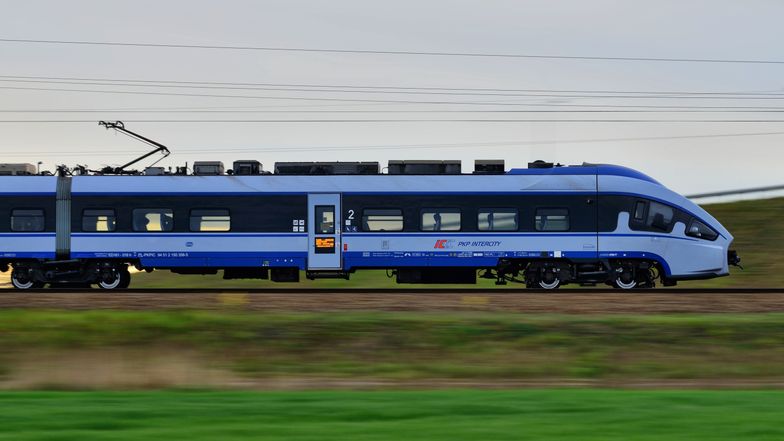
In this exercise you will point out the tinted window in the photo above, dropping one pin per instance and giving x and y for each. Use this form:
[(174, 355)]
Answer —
[(27, 220), (325, 219), (153, 219), (639, 211), (382, 220), (99, 220), (210, 220), (440, 219), (700, 230), (552, 219), (497, 219), (659, 216)]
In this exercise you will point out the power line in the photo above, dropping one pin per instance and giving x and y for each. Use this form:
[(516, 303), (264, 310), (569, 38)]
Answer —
[(341, 121), (389, 52), (103, 151), (415, 92), (354, 86)]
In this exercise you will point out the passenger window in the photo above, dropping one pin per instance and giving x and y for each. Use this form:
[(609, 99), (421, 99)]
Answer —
[(153, 219), (325, 219), (497, 219), (639, 211), (382, 220), (27, 220), (99, 220), (440, 219), (659, 216), (210, 220), (552, 219), (700, 230)]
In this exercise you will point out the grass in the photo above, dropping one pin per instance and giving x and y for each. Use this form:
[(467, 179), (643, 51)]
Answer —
[(561, 414), (757, 226), (404, 345)]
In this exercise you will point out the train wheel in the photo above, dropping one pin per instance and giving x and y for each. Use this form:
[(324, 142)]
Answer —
[(625, 278), (125, 277), (112, 279), (22, 278), (549, 280)]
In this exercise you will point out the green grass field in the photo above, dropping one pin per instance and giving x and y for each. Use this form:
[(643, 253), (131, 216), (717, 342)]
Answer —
[(400, 346), (561, 414), (757, 226)]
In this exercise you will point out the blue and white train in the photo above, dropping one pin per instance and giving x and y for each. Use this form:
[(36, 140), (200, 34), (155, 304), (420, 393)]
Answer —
[(544, 226)]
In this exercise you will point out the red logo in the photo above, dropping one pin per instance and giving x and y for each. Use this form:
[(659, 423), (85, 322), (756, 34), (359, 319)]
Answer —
[(440, 243)]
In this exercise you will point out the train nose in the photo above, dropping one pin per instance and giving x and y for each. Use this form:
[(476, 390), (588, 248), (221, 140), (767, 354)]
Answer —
[(733, 258)]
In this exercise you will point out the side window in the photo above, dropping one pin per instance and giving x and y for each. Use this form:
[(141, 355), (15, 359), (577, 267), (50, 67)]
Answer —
[(99, 220), (210, 220), (700, 230), (659, 216), (497, 219), (440, 219), (374, 219), (639, 211), (153, 219), (325, 219), (552, 219), (27, 220)]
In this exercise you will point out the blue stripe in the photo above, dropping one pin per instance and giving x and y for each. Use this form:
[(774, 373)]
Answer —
[(197, 235), (52, 234), (188, 193)]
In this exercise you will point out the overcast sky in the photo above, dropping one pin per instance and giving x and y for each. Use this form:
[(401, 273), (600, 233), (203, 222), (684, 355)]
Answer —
[(687, 156)]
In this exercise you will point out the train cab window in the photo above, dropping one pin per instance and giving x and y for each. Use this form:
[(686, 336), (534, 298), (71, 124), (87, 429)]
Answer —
[(440, 219), (99, 220), (384, 219), (700, 230), (639, 211), (659, 216), (497, 219), (552, 219), (325, 219), (27, 220), (210, 220), (153, 219)]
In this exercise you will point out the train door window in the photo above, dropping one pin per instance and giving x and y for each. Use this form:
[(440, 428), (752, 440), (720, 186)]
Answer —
[(700, 230), (497, 219), (153, 219), (27, 220), (325, 219), (639, 211), (659, 216), (440, 219), (552, 219), (210, 220), (99, 220), (375, 219)]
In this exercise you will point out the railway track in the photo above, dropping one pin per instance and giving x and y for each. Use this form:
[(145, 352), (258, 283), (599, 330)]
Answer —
[(567, 301)]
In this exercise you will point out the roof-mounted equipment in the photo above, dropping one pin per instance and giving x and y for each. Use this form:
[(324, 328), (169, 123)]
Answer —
[(208, 168), (426, 167), (247, 167), (122, 170), (488, 166), (17, 169), (326, 168)]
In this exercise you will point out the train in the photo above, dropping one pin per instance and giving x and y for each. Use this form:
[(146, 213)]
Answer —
[(424, 222)]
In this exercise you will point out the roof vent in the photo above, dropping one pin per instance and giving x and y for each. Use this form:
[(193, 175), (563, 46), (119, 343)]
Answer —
[(424, 167), (489, 167), (207, 168), (154, 171), (326, 168)]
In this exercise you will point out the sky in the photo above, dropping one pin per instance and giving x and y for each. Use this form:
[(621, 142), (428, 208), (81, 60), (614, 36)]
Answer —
[(527, 114)]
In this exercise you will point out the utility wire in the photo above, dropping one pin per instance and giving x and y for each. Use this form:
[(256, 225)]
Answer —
[(389, 52), (341, 121), (104, 151), (354, 86)]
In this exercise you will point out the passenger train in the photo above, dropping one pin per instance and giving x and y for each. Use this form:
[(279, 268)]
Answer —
[(424, 222)]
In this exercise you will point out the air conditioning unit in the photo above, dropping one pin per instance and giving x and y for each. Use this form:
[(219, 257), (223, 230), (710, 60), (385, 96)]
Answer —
[(17, 169), (208, 168)]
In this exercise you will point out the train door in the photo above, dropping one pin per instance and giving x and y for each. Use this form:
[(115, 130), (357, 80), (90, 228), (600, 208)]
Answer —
[(324, 244)]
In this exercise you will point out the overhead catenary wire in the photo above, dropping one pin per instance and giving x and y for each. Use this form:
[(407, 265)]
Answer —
[(390, 52)]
